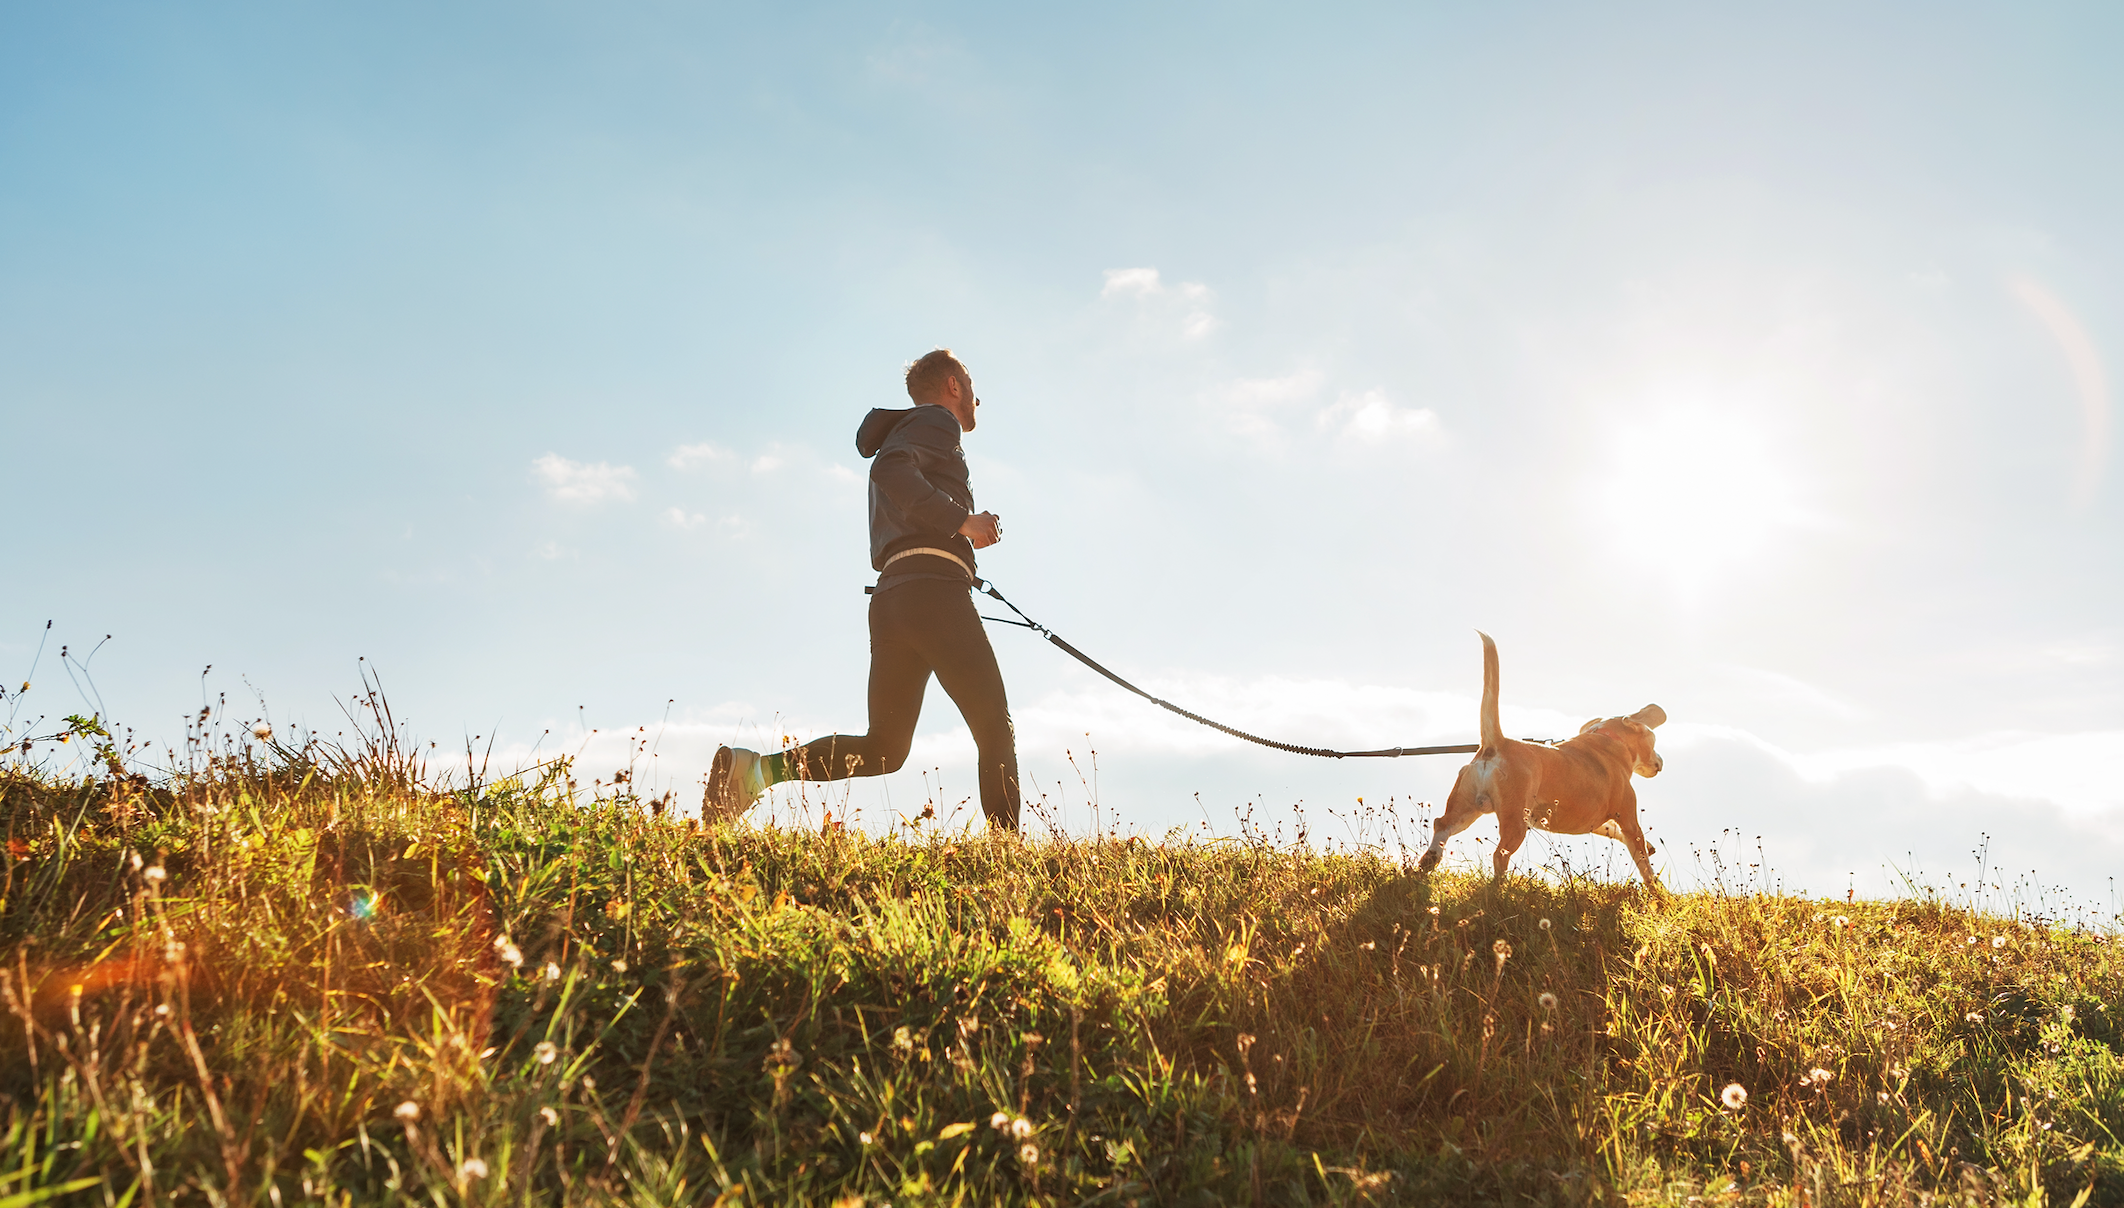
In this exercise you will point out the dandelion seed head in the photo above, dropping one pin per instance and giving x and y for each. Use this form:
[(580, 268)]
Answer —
[(1547, 1000), (1998, 941), (1545, 924), (546, 1052), (1021, 1128), (1841, 922), (1972, 941), (263, 731), (1029, 1154), (1819, 1076), (1734, 1097), (999, 1121)]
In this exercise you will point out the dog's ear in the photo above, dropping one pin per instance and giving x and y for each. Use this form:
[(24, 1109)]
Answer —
[(1591, 726), (1649, 716)]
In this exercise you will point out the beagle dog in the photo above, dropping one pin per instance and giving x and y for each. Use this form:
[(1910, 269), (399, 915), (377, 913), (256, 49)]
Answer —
[(1576, 787)]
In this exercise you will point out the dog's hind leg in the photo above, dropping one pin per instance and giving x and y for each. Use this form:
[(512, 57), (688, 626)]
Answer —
[(1511, 832), (1469, 801)]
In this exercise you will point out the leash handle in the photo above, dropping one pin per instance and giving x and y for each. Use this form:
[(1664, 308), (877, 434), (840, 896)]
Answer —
[(1320, 752)]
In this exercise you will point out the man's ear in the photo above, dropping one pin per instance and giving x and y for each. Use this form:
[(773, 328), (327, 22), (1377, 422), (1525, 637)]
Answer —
[(1650, 716)]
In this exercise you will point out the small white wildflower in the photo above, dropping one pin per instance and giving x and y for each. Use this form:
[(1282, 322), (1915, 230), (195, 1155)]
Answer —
[(1998, 941), (552, 971), (1974, 1017), (511, 955), (999, 1121), (1547, 1001), (1972, 941), (864, 1137), (1818, 1076), (1735, 1096), (472, 1168), (263, 731), (551, 1117), (408, 1111), (1029, 1154), (545, 1051), (155, 873), (1841, 922), (619, 966), (1021, 1128)]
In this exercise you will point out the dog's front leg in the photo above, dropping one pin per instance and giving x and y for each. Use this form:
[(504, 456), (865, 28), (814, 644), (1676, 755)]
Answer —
[(1633, 837)]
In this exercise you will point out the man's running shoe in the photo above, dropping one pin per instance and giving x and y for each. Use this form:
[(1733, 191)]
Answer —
[(734, 783)]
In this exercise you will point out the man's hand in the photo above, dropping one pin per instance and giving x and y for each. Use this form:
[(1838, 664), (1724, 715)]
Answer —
[(982, 528)]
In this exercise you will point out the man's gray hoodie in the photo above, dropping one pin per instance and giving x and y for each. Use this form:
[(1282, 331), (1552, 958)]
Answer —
[(919, 495)]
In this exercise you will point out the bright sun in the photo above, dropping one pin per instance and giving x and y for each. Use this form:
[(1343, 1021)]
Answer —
[(1710, 488)]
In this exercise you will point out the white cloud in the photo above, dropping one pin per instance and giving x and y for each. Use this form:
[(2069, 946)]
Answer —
[(767, 463), (684, 519), (685, 457), (553, 551), (1191, 299), (1371, 417), (580, 482), (1141, 282), (1269, 392)]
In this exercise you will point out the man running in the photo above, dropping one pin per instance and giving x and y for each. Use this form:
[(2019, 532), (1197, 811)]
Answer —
[(923, 534)]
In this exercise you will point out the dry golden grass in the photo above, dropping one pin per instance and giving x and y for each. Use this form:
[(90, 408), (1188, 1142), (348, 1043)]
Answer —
[(314, 979)]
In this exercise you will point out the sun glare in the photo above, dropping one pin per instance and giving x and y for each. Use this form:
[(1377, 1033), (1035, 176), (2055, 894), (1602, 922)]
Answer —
[(1698, 494)]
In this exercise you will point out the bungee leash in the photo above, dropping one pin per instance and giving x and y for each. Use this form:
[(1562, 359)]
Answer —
[(1025, 622)]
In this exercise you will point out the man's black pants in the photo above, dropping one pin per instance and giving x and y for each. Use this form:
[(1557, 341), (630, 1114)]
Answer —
[(919, 627)]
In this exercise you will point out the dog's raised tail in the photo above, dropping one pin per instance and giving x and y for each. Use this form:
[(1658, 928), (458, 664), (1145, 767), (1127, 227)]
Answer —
[(1492, 733)]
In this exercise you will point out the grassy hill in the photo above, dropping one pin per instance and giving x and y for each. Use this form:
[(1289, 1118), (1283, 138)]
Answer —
[(312, 979)]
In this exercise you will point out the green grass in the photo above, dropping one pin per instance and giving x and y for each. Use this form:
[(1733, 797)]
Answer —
[(319, 981)]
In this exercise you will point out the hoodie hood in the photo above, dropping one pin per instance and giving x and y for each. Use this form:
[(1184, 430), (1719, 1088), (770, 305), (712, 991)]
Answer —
[(871, 433)]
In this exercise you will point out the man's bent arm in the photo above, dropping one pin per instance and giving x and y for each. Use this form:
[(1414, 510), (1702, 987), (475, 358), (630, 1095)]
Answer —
[(897, 471)]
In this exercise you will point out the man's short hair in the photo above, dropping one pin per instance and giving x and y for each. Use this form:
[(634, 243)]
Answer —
[(926, 377)]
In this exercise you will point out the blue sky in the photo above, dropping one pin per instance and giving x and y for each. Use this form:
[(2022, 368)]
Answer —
[(1760, 364)]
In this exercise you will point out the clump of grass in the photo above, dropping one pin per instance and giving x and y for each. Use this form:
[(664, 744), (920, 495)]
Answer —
[(296, 973)]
